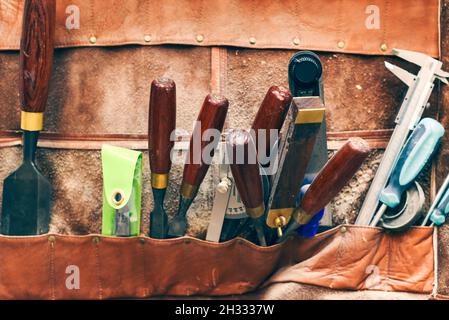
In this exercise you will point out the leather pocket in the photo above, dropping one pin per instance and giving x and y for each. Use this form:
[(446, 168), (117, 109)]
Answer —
[(87, 267)]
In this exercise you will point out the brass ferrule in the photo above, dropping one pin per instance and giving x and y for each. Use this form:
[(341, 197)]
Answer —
[(310, 116), (159, 181), (302, 217), (188, 191), (32, 121), (257, 212)]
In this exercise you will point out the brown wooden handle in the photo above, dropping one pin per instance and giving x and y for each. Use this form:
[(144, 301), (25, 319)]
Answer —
[(271, 115), (245, 170), (36, 53), (161, 125), (212, 116), (333, 177)]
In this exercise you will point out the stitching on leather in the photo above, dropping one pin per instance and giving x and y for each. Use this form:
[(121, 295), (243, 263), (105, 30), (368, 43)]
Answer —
[(385, 31), (91, 22), (52, 270), (388, 271), (146, 290), (98, 267)]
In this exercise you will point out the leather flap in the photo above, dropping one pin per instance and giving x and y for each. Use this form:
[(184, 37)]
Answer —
[(352, 26)]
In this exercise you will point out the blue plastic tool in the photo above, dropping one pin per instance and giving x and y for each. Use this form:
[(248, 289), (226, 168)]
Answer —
[(416, 152)]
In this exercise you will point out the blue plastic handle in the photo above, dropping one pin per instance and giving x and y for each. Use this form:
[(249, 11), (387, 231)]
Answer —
[(416, 152), (441, 211), (310, 229)]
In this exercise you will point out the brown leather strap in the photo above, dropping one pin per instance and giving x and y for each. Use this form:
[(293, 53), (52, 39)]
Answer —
[(366, 27)]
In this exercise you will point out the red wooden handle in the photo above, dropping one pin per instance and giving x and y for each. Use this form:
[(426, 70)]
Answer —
[(271, 115), (161, 125), (36, 53), (212, 116), (335, 175), (245, 169)]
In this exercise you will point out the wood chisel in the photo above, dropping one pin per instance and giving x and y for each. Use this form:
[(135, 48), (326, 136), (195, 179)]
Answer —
[(269, 119), (265, 129), (330, 180), (212, 116), (305, 117), (416, 152), (26, 192), (247, 176), (420, 87), (161, 127)]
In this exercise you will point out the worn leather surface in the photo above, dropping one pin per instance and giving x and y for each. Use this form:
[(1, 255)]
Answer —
[(262, 24), (99, 94), (346, 258)]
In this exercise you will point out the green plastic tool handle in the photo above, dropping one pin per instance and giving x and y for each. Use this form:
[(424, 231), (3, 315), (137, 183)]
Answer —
[(416, 152), (441, 211)]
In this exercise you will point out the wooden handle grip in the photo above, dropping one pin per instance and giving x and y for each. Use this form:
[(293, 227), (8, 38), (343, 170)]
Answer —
[(36, 53), (212, 116), (161, 125), (245, 170), (334, 176), (271, 115)]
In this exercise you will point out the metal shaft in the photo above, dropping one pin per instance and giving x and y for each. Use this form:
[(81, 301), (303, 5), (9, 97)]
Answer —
[(378, 215), (29, 145)]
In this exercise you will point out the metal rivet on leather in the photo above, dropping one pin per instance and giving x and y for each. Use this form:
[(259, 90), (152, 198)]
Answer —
[(383, 47), (187, 241), (240, 241), (96, 240), (142, 240), (343, 229), (51, 238), (147, 38), (252, 40), (341, 44), (93, 40), (200, 38), (296, 41)]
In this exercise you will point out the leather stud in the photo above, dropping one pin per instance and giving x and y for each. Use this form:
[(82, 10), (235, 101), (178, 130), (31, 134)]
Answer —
[(142, 241), (147, 38), (199, 38), (93, 40), (296, 41), (51, 239), (383, 47), (343, 230), (252, 40), (187, 241), (341, 44), (96, 240)]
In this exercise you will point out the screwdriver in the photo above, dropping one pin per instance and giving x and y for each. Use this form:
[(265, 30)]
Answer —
[(440, 207), (416, 152), (246, 173), (330, 180)]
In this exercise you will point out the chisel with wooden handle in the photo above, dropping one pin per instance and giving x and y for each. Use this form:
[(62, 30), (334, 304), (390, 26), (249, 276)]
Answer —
[(26, 192), (162, 123), (246, 173), (330, 180), (212, 116), (270, 117)]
